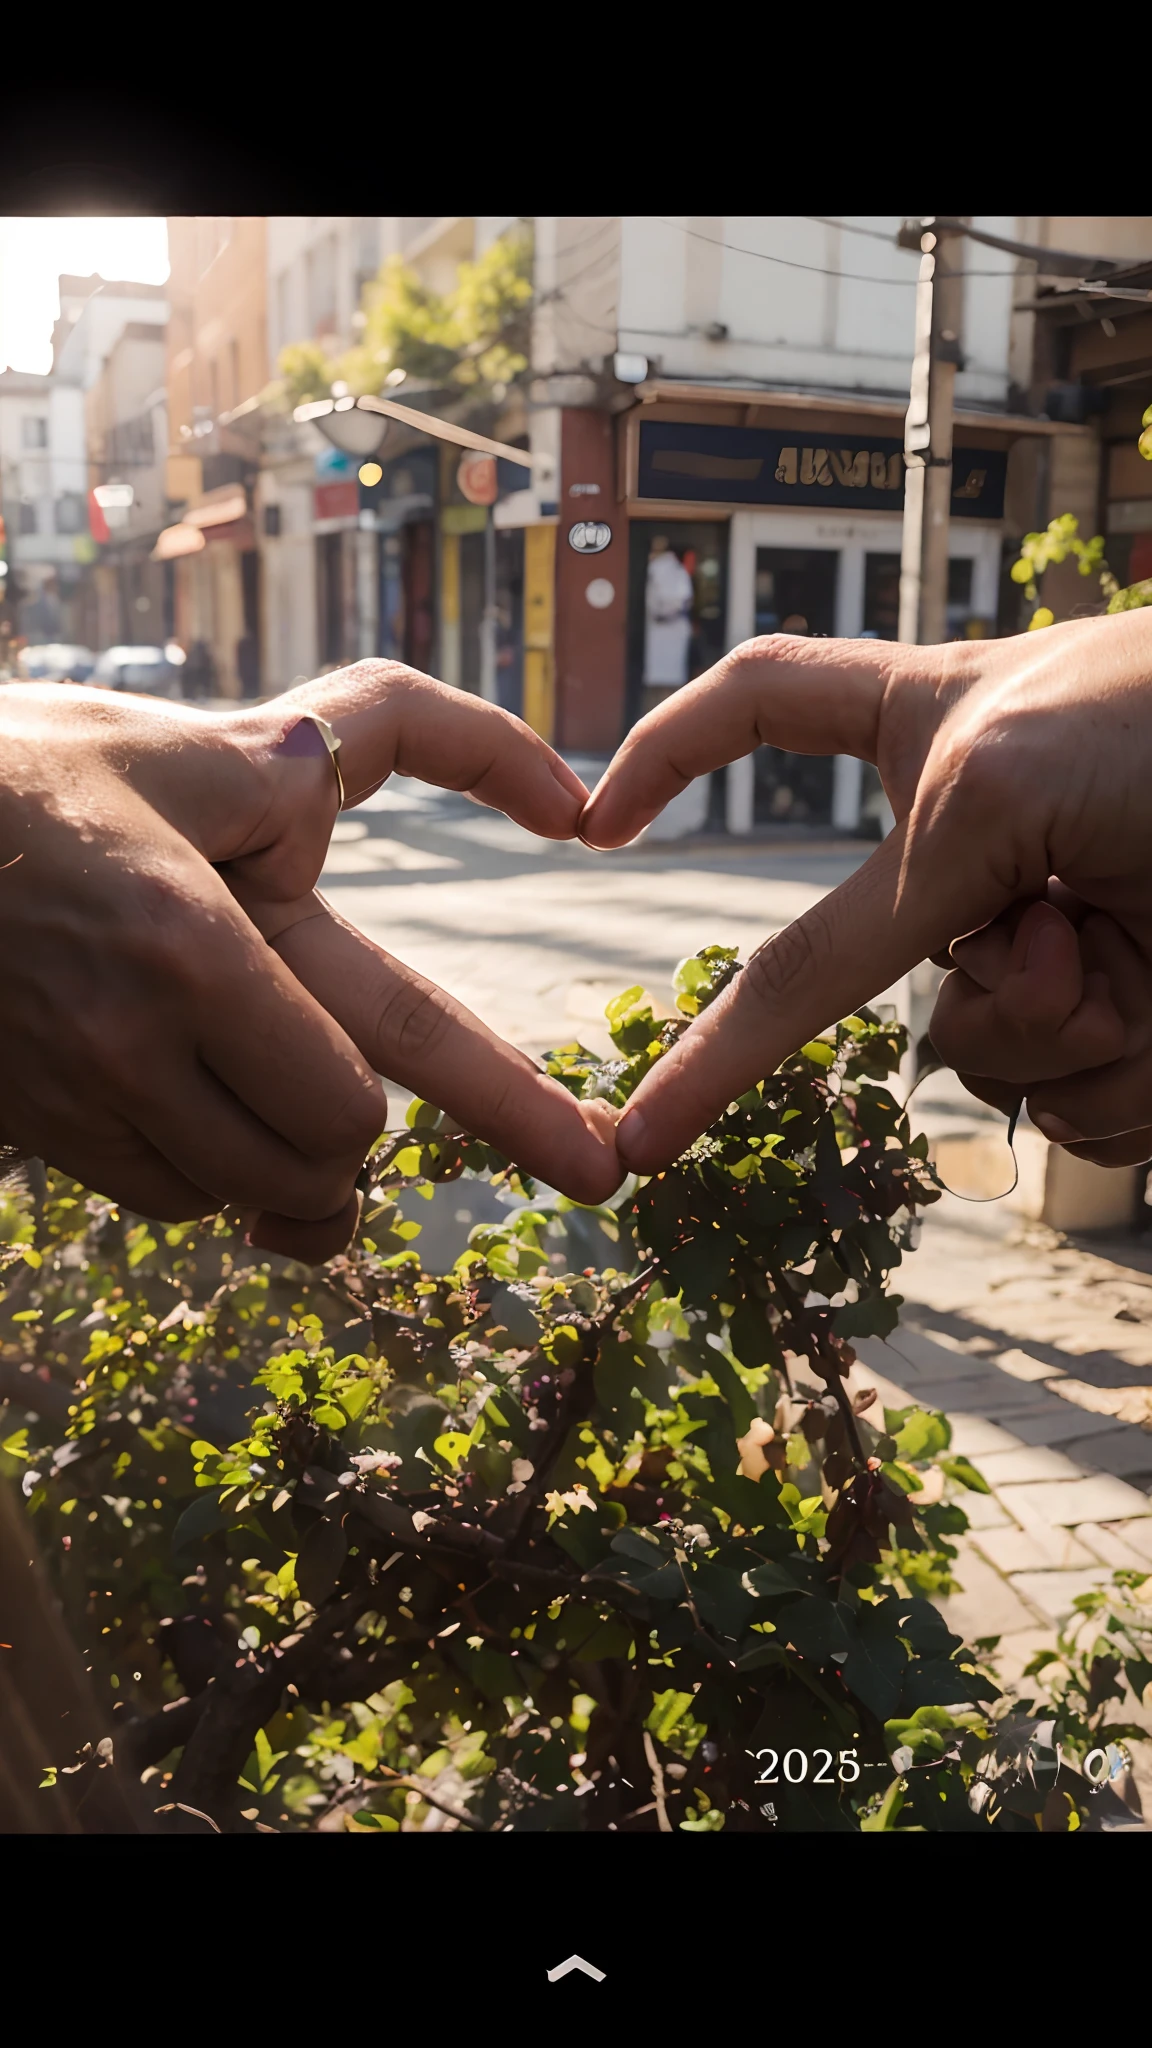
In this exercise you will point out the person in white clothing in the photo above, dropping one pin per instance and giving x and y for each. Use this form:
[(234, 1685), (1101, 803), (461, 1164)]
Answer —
[(668, 623)]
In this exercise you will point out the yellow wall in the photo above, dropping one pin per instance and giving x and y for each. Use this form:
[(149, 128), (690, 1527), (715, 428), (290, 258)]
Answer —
[(539, 629)]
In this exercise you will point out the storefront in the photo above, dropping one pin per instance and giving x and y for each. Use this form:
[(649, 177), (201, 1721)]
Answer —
[(751, 518), (211, 592), (1098, 353)]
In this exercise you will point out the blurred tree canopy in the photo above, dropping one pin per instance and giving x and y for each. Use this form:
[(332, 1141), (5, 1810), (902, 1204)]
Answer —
[(474, 337)]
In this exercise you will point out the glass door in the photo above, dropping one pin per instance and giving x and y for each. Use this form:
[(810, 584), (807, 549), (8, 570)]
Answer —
[(795, 593)]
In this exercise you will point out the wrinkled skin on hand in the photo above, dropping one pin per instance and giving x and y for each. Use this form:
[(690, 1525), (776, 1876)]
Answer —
[(186, 1025), (1018, 773)]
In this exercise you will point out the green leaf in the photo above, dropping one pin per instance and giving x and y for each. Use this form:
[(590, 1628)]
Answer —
[(872, 1316), (326, 1416), (354, 1399), (203, 1517), (877, 1662), (923, 1435), (668, 1710), (320, 1561), (965, 1474), (453, 1446), (741, 1403)]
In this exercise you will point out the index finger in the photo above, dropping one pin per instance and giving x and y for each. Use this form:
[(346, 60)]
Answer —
[(929, 879), (421, 1037), (807, 696), (390, 719)]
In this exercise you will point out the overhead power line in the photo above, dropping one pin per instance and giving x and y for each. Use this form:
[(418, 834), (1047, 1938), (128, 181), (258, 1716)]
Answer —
[(815, 269)]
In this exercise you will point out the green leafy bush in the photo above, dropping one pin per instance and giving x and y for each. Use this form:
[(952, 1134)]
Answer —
[(521, 1547), (1061, 538)]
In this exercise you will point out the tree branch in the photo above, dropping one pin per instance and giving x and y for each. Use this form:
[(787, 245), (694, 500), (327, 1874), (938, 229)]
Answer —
[(656, 1768)]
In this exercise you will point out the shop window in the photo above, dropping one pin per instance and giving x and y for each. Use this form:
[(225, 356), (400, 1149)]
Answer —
[(678, 572), (959, 597), (1129, 555), (71, 512), (882, 596), (795, 593)]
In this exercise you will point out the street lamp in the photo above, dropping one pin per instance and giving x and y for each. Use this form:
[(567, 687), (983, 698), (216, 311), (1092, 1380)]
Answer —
[(351, 424)]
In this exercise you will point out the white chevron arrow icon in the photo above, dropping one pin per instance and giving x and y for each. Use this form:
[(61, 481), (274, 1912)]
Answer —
[(575, 1963)]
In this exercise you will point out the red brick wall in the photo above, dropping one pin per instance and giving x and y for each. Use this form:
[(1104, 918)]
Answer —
[(590, 644)]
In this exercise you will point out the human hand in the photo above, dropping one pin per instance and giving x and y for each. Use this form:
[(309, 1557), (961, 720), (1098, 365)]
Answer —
[(186, 1025), (1006, 763), (1052, 1003)]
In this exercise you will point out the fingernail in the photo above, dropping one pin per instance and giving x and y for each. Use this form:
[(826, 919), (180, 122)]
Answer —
[(1055, 1128)]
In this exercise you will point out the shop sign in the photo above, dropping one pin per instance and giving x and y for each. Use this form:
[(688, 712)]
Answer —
[(476, 479), (589, 536), (767, 466), (336, 501)]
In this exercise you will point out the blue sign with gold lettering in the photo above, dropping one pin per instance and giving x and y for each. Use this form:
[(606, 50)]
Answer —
[(765, 466)]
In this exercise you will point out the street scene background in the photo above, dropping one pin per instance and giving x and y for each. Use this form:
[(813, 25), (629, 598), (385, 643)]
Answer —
[(709, 415)]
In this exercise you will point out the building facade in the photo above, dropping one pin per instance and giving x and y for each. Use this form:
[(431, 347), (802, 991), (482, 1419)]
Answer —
[(126, 419), (717, 429), (393, 567), (43, 505), (713, 426), (216, 372)]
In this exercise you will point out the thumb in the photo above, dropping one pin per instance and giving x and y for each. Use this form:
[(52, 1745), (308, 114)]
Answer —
[(1024, 1010), (1030, 960)]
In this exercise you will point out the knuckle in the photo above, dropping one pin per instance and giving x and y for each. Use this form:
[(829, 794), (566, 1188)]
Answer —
[(411, 1020), (315, 1197), (981, 764), (355, 1123), (787, 960)]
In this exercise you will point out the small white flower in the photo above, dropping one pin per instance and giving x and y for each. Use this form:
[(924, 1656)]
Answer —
[(522, 1470), (376, 1461)]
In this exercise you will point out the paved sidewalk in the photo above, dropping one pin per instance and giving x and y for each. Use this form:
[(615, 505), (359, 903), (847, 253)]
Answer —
[(1039, 1350)]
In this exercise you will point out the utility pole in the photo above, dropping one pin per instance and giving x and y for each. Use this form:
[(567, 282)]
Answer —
[(928, 431)]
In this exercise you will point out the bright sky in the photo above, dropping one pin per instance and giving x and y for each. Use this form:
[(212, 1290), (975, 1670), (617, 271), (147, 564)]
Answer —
[(34, 254)]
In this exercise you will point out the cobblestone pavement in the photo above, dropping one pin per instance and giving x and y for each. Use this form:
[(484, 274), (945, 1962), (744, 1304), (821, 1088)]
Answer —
[(1038, 1349)]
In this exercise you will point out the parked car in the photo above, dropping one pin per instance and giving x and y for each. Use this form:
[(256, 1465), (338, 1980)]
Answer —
[(149, 670), (57, 663)]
